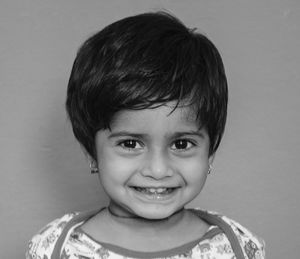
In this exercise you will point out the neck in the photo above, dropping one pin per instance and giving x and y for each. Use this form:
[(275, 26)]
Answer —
[(127, 220)]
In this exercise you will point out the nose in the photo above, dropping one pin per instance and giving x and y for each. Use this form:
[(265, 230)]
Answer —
[(157, 166)]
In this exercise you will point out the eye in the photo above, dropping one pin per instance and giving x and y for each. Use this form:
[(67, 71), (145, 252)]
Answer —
[(130, 144), (182, 144)]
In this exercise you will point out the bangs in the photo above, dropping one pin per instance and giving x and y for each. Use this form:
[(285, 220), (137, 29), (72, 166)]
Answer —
[(172, 72)]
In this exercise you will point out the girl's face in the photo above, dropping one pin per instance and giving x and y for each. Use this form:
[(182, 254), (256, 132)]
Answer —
[(153, 161)]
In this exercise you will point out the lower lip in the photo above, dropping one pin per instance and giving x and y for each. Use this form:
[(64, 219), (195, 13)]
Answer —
[(155, 197)]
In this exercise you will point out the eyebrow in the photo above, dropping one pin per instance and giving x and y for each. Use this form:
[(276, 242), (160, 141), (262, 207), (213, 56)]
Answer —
[(198, 133)]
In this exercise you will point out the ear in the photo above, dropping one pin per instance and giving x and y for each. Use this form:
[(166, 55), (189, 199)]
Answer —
[(211, 158), (93, 164), (89, 158)]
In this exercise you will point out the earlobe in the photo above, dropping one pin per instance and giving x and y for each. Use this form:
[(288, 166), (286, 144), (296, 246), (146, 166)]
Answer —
[(209, 169), (210, 162), (94, 166)]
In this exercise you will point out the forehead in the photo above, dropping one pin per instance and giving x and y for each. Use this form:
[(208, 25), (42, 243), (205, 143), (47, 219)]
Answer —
[(167, 116)]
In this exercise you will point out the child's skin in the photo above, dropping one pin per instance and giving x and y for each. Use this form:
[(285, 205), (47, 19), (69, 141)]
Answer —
[(151, 148)]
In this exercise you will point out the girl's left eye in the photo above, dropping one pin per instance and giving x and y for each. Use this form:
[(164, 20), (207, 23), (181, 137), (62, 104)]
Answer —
[(182, 144)]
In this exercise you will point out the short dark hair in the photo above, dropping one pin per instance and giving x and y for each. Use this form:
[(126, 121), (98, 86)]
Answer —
[(145, 61)]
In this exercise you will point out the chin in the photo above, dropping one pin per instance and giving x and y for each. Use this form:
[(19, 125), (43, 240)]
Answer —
[(155, 214)]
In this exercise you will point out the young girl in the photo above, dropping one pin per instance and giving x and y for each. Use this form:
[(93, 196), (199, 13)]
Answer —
[(147, 99)]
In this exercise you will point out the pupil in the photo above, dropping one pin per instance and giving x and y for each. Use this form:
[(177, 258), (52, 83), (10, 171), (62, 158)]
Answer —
[(181, 144), (130, 143)]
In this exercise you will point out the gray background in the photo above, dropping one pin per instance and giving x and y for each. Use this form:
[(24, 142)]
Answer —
[(256, 171)]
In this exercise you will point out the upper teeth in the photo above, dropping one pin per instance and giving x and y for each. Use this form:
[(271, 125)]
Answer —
[(157, 190)]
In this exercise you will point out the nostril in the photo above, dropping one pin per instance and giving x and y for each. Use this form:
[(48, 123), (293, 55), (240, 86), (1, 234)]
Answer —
[(157, 165), (157, 174)]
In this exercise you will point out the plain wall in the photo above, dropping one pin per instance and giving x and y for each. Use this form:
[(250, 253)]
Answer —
[(256, 176)]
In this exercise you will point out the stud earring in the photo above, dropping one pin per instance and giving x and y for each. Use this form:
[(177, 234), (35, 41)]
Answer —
[(209, 169), (94, 167)]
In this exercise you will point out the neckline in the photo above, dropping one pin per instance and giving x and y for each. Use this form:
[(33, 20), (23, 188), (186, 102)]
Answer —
[(182, 249)]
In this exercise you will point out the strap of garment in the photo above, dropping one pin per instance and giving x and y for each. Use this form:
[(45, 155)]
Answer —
[(71, 224), (226, 228)]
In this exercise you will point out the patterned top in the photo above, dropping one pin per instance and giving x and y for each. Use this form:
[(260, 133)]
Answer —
[(64, 239)]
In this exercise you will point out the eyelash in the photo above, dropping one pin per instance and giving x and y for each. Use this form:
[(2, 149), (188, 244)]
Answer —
[(187, 142)]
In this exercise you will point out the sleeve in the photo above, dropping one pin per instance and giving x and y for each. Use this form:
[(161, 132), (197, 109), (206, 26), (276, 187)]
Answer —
[(42, 244), (252, 245)]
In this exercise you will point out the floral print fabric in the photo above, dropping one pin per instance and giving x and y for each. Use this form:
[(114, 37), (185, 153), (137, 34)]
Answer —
[(78, 245)]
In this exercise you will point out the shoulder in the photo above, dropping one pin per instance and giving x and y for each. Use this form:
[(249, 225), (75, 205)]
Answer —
[(42, 244), (252, 245)]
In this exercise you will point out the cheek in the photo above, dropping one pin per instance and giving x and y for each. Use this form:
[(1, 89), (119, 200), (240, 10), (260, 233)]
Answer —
[(194, 170), (115, 167)]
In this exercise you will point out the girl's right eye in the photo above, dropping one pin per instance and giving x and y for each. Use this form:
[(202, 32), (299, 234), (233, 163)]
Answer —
[(130, 144)]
